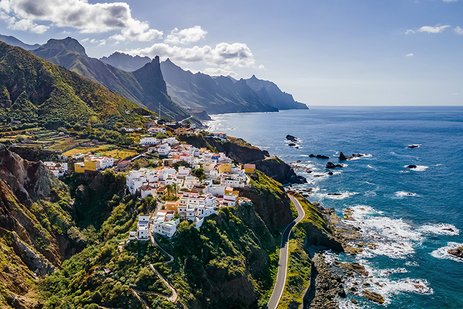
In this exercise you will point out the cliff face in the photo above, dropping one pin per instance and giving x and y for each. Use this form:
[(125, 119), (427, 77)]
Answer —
[(35, 225), (243, 152), (270, 201)]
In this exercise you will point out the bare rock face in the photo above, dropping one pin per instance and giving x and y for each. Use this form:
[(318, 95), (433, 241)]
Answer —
[(28, 180), (35, 219)]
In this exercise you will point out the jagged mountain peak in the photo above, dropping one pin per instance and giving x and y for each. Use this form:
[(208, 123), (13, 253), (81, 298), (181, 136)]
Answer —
[(126, 61)]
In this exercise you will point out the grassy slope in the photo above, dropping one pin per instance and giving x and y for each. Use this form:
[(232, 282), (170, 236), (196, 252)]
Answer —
[(44, 93)]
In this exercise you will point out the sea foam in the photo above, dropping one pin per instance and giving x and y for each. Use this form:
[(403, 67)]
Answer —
[(442, 253), (336, 196), (401, 194), (418, 168), (440, 229)]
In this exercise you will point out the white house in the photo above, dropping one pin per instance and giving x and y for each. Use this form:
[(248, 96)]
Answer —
[(216, 190), (56, 168), (148, 141), (133, 235), (172, 141), (142, 227), (163, 150), (147, 190), (165, 224), (156, 130), (183, 171)]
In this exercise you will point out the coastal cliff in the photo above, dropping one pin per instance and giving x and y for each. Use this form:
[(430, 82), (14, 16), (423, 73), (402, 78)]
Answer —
[(226, 263)]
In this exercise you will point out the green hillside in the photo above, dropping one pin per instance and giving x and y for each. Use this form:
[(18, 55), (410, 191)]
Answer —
[(35, 92)]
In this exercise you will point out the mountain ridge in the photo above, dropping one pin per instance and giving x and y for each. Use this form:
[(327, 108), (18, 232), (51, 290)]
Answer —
[(185, 86), (70, 54), (11, 40), (35, 91)]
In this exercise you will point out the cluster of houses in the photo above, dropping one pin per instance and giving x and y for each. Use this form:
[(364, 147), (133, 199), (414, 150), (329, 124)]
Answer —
[(202, 182), (90, 163), (191, 184), (93, 163)]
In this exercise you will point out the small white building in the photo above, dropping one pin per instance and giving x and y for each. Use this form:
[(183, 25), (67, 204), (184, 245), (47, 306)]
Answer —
[(147, 190), (165, 224), (156, 130), (149, 141), (163, 150), (133, 235), (56, 168), (143, 227), (172, 141)]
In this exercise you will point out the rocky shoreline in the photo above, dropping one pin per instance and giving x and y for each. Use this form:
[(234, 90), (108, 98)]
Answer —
[(335, 282), (326, 285)]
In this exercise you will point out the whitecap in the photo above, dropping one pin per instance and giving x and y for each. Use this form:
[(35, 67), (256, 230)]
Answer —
[(337, 196), (418, 168), (378, 281), (372, 167), (362, 156), (412, 264), (390, 237), (442, 253), (401, 194), (440, 229)]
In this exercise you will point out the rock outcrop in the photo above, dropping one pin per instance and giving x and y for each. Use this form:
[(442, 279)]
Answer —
[(318, 156), (36, 225), (331, 165), (326, 287), (458, 252)]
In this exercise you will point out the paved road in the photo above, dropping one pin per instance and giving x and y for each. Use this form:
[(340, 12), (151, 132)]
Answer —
[(283, 261)]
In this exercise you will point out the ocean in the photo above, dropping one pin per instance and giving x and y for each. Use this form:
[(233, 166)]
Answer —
[(412, 216)]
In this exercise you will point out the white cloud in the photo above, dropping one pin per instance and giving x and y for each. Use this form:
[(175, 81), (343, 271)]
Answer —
[(138, 31), (38, 16), (409, 55), (219, 72), (449, 1), (428, 29), (185, 36), (433, 29), (94, 41), (222, 54), (458, 30), (22, 24)]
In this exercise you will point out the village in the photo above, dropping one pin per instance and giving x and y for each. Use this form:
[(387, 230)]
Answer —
[(188, 184)]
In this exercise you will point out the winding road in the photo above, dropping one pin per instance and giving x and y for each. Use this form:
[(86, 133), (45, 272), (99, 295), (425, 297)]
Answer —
[(284, 256)]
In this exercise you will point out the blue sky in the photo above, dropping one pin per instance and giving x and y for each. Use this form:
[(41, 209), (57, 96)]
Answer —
[(326, 52)]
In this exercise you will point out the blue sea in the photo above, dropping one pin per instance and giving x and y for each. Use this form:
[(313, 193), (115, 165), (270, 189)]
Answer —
[(411, 216)]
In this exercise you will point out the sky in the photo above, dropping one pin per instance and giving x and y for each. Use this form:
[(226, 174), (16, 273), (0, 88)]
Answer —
[(324, 52)]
